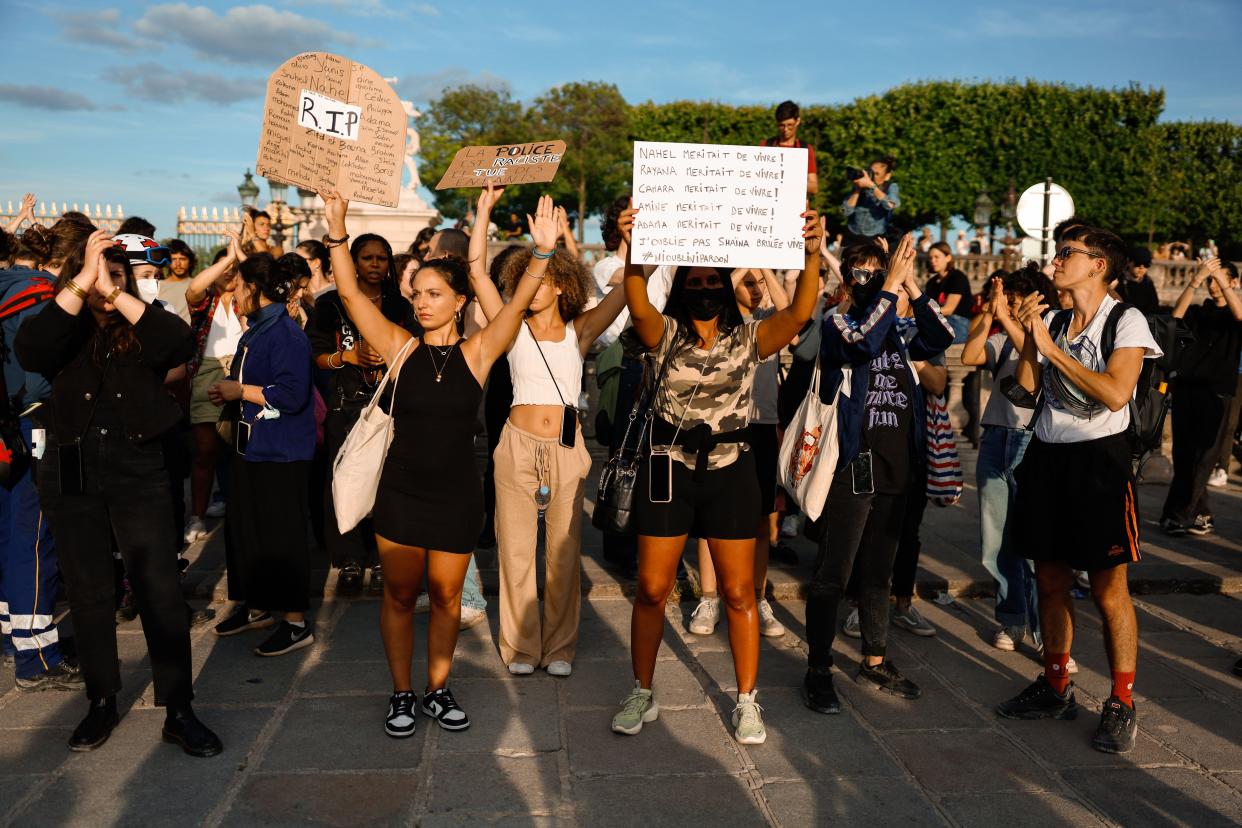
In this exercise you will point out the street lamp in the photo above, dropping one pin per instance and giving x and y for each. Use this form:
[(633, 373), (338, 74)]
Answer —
[(277, 190), (983, 220), (249, 191)]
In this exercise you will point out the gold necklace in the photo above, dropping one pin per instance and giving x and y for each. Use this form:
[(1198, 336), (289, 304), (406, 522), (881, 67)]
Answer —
[(447, 356)]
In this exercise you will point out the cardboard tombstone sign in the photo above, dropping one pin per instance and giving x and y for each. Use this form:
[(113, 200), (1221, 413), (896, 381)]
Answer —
[(331, 123), (532, 163)]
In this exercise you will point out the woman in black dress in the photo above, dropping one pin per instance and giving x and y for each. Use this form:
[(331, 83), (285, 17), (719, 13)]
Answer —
[(429, 508)]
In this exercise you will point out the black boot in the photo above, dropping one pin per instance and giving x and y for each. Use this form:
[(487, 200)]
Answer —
[(95, 729), (183, 728)]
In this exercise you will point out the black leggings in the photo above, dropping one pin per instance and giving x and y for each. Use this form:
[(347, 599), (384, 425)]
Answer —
[(863, 529), (125, 496)]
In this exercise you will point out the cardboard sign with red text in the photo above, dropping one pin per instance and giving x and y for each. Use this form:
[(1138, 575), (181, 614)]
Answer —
[(533, 163), (331, 123)]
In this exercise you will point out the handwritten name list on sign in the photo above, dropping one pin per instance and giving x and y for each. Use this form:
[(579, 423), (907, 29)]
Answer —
[(331, 123), (721, 205), (533, 163)]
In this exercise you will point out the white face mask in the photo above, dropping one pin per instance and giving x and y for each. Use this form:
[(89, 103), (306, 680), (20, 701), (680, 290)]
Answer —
[(148, 289)]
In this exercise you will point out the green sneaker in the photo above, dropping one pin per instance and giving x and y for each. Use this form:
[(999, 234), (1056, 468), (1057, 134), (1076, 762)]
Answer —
[(748, 720), (637, 708)]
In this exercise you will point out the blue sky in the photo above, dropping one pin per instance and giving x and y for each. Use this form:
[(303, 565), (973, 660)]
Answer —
[(156, 105)]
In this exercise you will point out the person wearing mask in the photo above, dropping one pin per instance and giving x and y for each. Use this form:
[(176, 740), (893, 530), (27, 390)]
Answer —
[(1136, 287), (870, 204), (351, 369), (1076, 507), (788, 119), (102, 479), (881, 432), (951, 290), (429, 505), (29, 575), (699, 477), (274, 440), (1202, 394), (545, 363)]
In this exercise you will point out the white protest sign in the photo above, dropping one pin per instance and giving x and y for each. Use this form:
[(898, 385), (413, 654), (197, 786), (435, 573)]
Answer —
[(719, 205), (331, 117)]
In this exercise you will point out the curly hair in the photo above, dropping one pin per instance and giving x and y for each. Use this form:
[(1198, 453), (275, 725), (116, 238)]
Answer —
[(567, 273)]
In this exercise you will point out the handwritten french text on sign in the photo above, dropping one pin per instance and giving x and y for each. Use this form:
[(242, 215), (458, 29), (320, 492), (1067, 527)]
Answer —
[(330, 117), (720, 205), (533, 163), (350, 136)]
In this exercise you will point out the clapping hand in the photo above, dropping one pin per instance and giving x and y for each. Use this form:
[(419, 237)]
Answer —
[(812, 233), (562, 222), (1207, 267), (543, 225), (1031, 318), (900, 261), (998, 302), (28, 205)]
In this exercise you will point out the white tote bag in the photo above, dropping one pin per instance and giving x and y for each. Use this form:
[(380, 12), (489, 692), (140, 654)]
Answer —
[(357, 466), (809, 449)]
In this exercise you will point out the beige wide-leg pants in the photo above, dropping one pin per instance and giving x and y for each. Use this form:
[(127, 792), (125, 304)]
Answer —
[(522, 462)]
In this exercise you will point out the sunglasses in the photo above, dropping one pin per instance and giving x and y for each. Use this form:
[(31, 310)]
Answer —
[(1067, 251), (861, 275)]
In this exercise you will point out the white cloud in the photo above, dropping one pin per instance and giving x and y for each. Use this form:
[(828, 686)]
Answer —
[(153, 82), (259, 35), (370, 8), (425, 88), (101, 28), (54, 99)]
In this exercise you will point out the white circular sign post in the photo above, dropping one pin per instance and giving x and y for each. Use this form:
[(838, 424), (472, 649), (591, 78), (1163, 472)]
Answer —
[(1042, 207)]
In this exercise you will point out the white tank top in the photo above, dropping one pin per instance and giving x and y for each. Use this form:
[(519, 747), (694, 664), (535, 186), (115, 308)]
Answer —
[(225, 331), (532, 382)]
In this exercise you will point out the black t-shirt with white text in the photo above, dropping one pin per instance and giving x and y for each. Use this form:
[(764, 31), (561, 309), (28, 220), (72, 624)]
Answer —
[(887, 418)]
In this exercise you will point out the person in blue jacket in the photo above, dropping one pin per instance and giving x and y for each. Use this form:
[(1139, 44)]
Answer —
[(881, 433), (268, 511)]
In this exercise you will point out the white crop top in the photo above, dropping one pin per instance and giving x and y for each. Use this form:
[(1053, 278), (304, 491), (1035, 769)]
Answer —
[(532, 383)]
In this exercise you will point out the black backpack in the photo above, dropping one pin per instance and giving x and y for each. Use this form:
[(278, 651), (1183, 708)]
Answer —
[(1150, 405)]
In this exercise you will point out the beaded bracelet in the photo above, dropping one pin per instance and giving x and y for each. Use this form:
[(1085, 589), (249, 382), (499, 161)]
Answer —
[(534, 251)]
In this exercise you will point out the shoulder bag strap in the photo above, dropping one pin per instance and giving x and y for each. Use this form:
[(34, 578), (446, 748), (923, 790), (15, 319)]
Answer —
[(555, 384), (391, 374)]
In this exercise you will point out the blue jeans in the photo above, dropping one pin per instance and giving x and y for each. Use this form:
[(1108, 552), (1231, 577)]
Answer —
[(472, 589), (960, 326), (1000, 451)]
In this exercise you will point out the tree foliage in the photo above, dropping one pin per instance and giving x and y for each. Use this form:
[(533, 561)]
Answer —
[(952, 140)]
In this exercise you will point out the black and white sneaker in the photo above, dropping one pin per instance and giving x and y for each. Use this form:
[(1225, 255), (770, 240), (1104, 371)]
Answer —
[(1118, 727), (1201, 525), (885, 678), (441, 706), (1173, 527), (287, 638), (1040, 701), (400, 721), (61, 676), (244, 619)]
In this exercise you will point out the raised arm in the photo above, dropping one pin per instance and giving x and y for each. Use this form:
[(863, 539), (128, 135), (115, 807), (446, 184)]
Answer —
[(776, 285), (26, 213), (1231, 296), (974, 351), (484, 289), (564, 232), (382, 336), (648, 322), (494, 339), (216, 274), (779, 329), (591, 323)]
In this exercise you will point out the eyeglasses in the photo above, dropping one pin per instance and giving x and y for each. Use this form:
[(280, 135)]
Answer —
[(1067, 251), (861, 275)]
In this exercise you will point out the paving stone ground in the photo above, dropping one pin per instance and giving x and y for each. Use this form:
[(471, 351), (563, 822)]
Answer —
[(304, 743)]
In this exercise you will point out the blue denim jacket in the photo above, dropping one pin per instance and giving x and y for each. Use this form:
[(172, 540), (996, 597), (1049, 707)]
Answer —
[(870, 216), (854, 339)]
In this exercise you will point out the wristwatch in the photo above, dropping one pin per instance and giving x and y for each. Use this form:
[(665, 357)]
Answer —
[(111, 297)]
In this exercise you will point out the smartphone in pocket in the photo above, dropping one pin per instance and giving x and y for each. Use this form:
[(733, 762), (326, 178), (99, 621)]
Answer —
[(69, 464), (660, 479), (864, 480), (569, 426)]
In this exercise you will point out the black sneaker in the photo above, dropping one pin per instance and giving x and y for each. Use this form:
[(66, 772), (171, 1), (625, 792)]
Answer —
[(1118, 727), (182, 727), (1202, 525), (1040, 701), (376, 586), (287, 638), (62, 676), (400, 721), (885, 678), (349, 581), (441, 706), (818, 693), (95, 729), (244, 619), (1172, 527)]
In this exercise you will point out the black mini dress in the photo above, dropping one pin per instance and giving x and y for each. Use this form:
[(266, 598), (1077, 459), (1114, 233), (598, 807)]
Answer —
[(430, 492)]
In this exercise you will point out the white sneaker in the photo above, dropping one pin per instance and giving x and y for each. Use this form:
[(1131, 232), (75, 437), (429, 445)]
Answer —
[(1008, 638), (851, 626), (195, 530), (1071, 667), (790, 526), (470, 617), (1219, 478), (217, 509), (768, 625), (517, 668), (748, 726), (559, 669), (705, 616)]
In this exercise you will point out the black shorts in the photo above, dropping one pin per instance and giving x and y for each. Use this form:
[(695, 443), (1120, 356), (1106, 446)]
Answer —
[(1076, 504), (723, 505), (765, 447)]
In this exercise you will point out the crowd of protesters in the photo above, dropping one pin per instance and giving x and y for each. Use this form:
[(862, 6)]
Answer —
[(132, 375)]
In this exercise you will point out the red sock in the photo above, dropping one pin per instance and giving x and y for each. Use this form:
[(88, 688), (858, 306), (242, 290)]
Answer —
[(1123, 687), (1055, 672)]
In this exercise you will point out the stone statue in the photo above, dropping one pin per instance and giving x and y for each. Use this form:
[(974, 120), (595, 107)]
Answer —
[(412, 147)]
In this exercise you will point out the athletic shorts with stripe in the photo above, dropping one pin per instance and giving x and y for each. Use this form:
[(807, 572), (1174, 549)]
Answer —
[(1076, 503)]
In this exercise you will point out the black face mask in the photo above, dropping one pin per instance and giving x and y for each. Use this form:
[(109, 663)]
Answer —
[(862, 296), (703, 304)]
